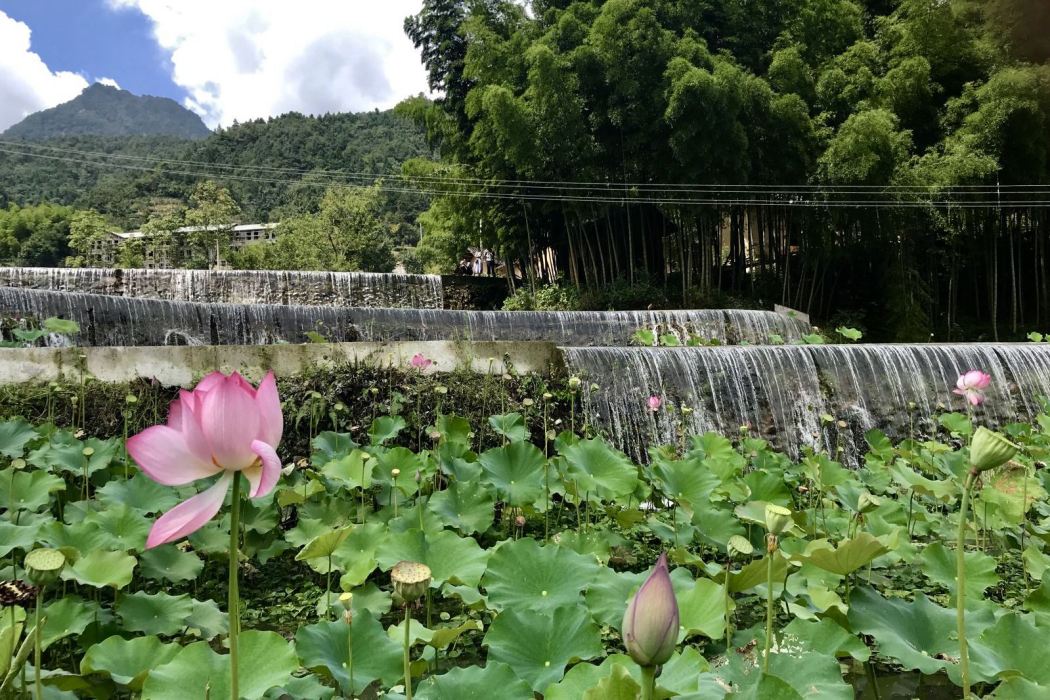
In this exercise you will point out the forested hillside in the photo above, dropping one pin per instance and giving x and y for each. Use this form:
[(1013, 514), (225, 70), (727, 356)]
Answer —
[(869, 158), (102, 110)]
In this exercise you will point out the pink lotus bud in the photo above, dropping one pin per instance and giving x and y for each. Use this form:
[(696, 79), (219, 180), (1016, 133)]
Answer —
[(650, 624), (972, 386), (420, 362), (655, 402)]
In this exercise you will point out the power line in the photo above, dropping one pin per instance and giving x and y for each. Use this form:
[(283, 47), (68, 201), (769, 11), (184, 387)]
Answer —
[(771, 199)]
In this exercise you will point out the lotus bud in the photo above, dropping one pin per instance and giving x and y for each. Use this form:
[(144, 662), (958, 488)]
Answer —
[(395, 473), (519, 521), (527, 403), (989, 450), (868, 502), (411, 579), (842, 425), (574, 383), (547, 396), (18, 463), (594, 388), (346, 600), (778, 519), (650, 624), (43, 566), (740, 545)]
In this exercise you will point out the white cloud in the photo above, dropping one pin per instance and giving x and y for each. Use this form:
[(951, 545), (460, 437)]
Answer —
[(243, 59), (27, 85), (109, 82)]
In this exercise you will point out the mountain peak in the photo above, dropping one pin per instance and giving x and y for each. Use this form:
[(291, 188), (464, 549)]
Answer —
[(105, 110)]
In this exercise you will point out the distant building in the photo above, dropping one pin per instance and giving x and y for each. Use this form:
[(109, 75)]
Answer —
[(107, 250)]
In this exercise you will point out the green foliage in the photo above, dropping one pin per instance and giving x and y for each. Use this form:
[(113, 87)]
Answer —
[(549, 297)]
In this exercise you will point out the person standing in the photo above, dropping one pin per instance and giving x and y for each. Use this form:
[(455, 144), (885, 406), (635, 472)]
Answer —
[(490, 263)]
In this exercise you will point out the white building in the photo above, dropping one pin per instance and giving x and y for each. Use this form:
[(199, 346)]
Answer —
[(106, 251)]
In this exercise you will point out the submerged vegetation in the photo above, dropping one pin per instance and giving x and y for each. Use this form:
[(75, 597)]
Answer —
[(377, 563)]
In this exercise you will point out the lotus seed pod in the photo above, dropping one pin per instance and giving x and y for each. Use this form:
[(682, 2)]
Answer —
[(868, 502), (346, 600), (527, 403), (842, 425), (395, 473), (574, 383), (18, 463), (740, 545), (990, 449), (650, 624), (43, 566), (547, 396), (778, 519), (411, 579)]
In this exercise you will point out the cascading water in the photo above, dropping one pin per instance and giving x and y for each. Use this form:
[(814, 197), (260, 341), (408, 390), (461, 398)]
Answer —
[(798, 396), (114, 320), (358, 289)]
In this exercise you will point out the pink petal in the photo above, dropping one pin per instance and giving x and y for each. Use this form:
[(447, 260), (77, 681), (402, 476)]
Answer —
[(269, 405), (264, 476), (175, 414), (984, 381), (190, 515), (209, 382), (163, 453), (243, 383), (976, 398), (230, 420), (960, 392)]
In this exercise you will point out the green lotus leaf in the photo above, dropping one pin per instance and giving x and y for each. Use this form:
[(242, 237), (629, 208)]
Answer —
[(681, 674), (791, 675), (608, 593), (716, 525), (101, 569), (468, 507), (917, 635), (385, 428), (17, 537), (754, 574), (444, 636), (701, 609), (511, 426), (687, 482), (206, 620), (301, 687), (945, 491), (139, 492), (356, 556), (169, 563), (523, 575), (352, 471), (1020, 689), (451, 558), (939, 565), (419, 633), (583, 676), (453, 429), (14, 436), (597, 469), (1016, 647), (11, 625), (266, 660), (825, 637), (328, 446), (31, 489), (847, 557), (325, 647), (122, 528), (68, 454), (323, 545), (156, 613), (494, 680), (618, 685), (515, 471), (69, 616), (402, 459), (127, 661), (539, 646), (81, 537)]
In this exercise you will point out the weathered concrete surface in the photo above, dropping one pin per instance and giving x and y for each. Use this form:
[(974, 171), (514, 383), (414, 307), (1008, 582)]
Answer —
[(183, 365)]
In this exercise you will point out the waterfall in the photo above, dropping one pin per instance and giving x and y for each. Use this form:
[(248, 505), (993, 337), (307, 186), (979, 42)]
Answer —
[(359, 289), (822, 397), (120, 320)]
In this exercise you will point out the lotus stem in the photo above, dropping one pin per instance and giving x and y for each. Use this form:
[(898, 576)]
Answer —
[(771, 548), (234, 604), (960, 586), (648, 682), (1024, 527), (408, 658), (729, 619), (39, 689)]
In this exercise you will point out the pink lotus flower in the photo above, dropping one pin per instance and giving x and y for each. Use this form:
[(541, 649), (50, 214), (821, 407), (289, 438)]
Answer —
[(650, 624), (224, 426), (972, 386), (420, 362), (655, 402)]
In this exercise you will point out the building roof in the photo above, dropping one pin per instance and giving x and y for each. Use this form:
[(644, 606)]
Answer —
[(128, 235)]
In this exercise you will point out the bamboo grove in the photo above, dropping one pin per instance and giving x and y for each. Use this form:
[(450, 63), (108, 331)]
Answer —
[(882, 160)]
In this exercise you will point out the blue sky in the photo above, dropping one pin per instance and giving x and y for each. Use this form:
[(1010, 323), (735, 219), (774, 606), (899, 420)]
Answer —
[(224, 59), (118, 44)]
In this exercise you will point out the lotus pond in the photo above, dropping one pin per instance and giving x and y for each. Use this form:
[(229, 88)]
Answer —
[(389, 555)]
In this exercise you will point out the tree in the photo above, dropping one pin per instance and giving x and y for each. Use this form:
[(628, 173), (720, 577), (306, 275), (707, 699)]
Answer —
[(89, 234), (211, 216)]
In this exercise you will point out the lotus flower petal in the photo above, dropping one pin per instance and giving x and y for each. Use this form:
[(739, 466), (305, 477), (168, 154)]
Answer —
[(269, 406), (190, 515), (230, 420), (167, 458), (209, 382), (650, 624), (263, 476)]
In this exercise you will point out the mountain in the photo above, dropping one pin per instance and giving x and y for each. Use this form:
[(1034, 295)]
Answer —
[(101, 110)]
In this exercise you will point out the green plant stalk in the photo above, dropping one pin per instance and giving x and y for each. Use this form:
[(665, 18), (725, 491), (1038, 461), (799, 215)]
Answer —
[(547, 497), (408, 658), (38, 687), (729, 618), (350, 659), (234, 604), (960, 587), (1024, 527), (361, 515), (648, 682), (770, 550), (328, 588)]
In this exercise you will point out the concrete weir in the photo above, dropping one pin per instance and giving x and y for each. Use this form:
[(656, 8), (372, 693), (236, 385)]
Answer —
[(182, 365)]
